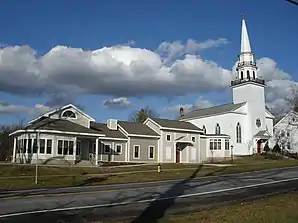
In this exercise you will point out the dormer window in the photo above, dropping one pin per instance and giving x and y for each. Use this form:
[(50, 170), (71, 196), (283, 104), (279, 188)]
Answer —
[(69, 114)]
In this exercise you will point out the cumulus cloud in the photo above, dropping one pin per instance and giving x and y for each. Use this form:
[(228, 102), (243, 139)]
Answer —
[(121, 102), (8, 109), (176, 49), (116, 71), (123, 70)]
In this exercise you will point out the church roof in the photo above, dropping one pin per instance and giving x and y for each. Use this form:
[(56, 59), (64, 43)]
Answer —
[(212, 110), (176, 124), (277, 119)]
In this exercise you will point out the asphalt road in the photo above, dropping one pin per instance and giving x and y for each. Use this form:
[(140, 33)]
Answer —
[(143, 202)]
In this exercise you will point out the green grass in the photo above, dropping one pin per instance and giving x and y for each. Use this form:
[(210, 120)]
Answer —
[(21, 177), (279, 209)]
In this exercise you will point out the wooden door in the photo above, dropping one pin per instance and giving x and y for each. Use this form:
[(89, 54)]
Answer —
[(259, 144), (177, 156)]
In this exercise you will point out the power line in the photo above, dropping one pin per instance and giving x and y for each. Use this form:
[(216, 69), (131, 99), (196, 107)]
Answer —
[(295, 2)]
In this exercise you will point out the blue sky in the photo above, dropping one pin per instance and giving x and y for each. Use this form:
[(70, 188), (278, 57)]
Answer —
[(92, 25)]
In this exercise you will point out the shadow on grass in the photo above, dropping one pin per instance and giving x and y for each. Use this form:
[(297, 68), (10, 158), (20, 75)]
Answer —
[(92, 180)]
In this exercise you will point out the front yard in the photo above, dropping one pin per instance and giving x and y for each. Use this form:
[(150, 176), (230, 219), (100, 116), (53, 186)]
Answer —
[(21, 177)]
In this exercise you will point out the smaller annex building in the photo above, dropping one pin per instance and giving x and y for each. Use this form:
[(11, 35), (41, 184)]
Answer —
[(69, 135)]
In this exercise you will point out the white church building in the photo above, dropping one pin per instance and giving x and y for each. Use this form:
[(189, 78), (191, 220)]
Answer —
[(247, 121)]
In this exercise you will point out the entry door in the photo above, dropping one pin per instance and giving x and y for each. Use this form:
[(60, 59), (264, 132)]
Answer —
[(177, 156)]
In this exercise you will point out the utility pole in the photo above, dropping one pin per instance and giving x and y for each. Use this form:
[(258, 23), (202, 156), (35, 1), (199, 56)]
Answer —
[(36, 165), (232, 155)]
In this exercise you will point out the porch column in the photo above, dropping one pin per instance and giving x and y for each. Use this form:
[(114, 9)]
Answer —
[(96, 152), (14, 150), (75, 150)]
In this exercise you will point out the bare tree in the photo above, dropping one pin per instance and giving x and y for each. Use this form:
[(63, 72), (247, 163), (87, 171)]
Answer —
[(292, 99), (141, 115)]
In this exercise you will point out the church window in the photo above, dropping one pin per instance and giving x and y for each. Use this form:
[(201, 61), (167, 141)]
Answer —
[(69, 114), (254, 75), (204, 129), (238, 133), (217, 129), (241, 75), (247, 74), (258, 123)]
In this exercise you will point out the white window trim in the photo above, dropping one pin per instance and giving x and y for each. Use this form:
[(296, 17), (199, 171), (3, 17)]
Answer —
[(167, 137), (69, 117), (45, 146), (138, 153), (217, 141), (120, 147), (68, 140), (104, 148), (149, 152), (227, 142)]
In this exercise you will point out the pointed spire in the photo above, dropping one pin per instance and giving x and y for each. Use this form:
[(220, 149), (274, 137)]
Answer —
[(245, 44)]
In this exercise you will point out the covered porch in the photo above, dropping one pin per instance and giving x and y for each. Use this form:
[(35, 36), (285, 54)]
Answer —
[(54, 147)]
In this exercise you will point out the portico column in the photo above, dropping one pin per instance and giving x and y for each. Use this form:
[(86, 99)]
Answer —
[(14, 149), (96, 152)]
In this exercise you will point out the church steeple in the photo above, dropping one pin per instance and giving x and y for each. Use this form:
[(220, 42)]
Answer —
[(245, 44), (246, 67)]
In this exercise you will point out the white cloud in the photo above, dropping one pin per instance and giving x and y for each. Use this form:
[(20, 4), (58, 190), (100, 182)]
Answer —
[(170, 51), (117, 71), (9, 109), (118, 103), (125, 71)]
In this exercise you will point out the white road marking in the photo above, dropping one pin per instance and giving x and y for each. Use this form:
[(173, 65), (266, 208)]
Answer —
[(143, 201)]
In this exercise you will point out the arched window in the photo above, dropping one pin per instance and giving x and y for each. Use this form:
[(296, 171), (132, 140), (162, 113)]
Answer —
[(241, 75), (69, 114), (254, 75), (247, 74), (217, 129), (238, 133), (204, 129)]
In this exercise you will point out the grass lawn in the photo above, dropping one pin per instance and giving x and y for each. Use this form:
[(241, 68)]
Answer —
[(21, 177), (279, 209)]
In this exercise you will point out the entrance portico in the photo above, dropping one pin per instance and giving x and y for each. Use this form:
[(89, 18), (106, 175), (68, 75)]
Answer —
[(181, 144), (260, 139)]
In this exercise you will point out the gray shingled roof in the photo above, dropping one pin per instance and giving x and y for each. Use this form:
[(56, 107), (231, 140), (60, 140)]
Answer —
[(176, 124), (105, 130), (59, 125), (212, 110), (137, 128)]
